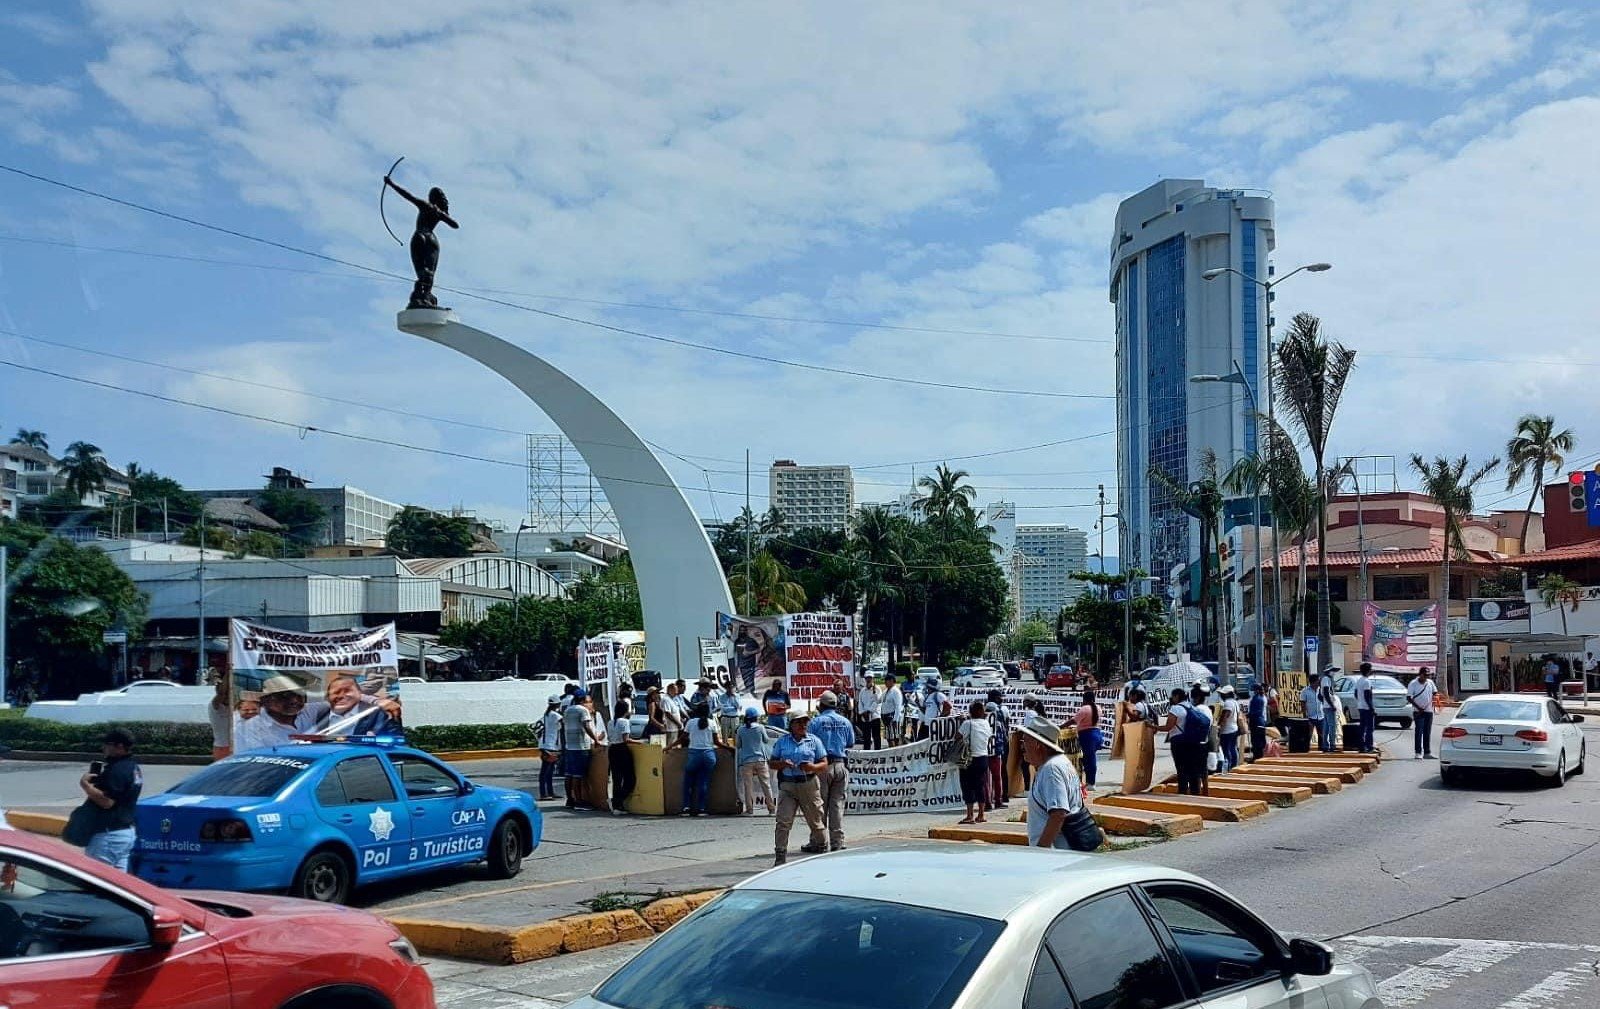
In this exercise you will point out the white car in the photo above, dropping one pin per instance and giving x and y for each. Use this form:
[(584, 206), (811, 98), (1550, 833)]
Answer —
[(1517, 732), (1030, 923), (1388, 699), (926, 673), (980, 677)]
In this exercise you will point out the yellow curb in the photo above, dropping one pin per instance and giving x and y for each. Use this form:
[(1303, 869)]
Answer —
[(1318, 785), (602, 928), (521, 752), (996, 832), (38, 823), (1207, 807), (1144, 823), (1365, 761), (1344, 767), (1275, 793), (1348, 775)]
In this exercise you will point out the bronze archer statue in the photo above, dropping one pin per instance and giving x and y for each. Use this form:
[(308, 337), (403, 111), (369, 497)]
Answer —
[(424, 244)]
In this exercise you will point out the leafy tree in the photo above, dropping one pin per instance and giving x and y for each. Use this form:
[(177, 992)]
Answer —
[(1098, 621), (422, 532), (60, 509), (1535, 446), (1507, 582), (154, 493), (85, 469), (948, 498), (31, 438), (63, 597), (1451, 483), (1310, 373), (1029, 632), (1557, 592), (301, 515), (1202, 500), (236, 542), (769, 589)]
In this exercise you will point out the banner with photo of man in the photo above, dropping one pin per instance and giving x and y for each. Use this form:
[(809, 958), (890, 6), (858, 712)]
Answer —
[(289, 683), (756, 645)]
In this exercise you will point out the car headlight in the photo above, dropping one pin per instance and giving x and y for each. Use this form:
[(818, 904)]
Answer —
[(404, 950)]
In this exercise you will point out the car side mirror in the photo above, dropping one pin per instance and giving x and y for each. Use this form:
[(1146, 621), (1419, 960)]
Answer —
[(1309, 957), (166, 928), (467, 788), (1574, 718)]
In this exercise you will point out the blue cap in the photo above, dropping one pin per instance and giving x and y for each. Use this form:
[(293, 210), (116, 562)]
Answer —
[(751, 714), (580, 694)]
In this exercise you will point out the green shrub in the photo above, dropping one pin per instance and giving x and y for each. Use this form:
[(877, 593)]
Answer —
[(438, 738), (179, 738), (904, 670)]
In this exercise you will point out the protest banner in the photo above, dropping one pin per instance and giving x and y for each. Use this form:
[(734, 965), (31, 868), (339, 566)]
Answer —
[(1401, 641), (818, 648), (597, 665), (756, 644), (919, 777), (714, 657), (269, 660)]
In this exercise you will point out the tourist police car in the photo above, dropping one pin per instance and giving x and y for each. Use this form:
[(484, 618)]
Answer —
[(318, 819)]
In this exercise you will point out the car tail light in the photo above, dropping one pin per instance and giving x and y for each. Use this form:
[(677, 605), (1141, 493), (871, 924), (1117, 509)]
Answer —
[(1454, 732), (225, 830), (1534, 735)]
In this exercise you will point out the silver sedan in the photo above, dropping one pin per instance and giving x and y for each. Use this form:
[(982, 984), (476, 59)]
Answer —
[(940, 927)]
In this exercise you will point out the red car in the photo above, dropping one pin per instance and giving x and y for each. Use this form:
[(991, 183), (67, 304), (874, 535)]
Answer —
[(76, 932), (1060, 677)]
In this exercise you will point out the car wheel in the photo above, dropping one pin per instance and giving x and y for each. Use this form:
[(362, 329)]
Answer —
[(1561, 771), (1449, 777), (505, 849), (1405, 723), (324, 876), (1583, 753)]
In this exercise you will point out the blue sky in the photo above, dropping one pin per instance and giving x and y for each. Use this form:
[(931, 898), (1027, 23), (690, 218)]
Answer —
[(941, 166)]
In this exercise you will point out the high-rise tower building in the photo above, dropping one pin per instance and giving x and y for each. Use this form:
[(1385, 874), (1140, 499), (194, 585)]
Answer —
[(1171, 324), (812, 497)]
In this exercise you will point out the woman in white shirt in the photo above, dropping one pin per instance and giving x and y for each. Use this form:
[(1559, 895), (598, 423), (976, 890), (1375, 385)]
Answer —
[(977, 734), (618, 738), (701, 739)]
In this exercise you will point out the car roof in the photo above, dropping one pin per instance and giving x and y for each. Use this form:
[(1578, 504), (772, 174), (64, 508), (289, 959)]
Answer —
[(1505, 697), (1003, 877), (320, 751)]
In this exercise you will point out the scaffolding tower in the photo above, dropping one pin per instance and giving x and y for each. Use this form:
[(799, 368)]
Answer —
[(563, 496)]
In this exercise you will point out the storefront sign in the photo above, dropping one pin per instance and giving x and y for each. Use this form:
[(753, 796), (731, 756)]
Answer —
[(1401, 640), (1472, 661)]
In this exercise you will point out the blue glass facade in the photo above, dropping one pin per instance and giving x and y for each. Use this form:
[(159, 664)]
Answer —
[(1249, 320), (1167, 392), (1131, 500)]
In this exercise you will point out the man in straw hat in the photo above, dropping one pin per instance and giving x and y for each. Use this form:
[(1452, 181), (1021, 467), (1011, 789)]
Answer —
[(1057, 817), (798, 757)]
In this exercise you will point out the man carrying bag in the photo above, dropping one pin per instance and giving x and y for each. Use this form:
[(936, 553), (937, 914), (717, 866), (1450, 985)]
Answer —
[(104, 823)]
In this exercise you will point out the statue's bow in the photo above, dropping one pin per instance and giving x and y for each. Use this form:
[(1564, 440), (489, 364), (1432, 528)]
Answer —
[(384, 191)]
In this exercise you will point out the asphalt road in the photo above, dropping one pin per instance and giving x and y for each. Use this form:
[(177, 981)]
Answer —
[(1480, 897)]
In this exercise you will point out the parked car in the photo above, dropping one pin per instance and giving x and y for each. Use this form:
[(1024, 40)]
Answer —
[(317, 820), (76, 932), (1512, 732), (1160, 938), (1388, 699), (923, 675), (1060, 677), (979, 677), (1013, 670)]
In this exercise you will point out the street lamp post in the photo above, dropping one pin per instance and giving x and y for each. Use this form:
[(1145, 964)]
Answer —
[(516, 599), (1268, 286), (1237, 378)]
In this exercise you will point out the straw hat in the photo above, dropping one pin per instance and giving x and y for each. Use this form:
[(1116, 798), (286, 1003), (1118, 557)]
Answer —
[(1044, 732)]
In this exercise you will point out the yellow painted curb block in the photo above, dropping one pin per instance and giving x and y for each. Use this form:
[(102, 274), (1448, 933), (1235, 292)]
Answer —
[(1365, 761), (1207, 807), (1275, 793), (522, 752), (1144, 823), (1318, 784), (997, 832), (602, 928), (38, 823), (1348, 775)]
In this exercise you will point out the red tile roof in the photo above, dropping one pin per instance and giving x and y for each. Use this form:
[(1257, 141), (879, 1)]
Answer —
[(1586, 551), (1352, 558)]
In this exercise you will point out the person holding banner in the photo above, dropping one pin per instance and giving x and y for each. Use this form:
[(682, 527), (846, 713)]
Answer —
[(892, 711), (776, 701), (798, 757)]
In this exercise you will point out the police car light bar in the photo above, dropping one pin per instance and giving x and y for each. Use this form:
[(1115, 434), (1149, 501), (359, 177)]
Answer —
[(356, 740)]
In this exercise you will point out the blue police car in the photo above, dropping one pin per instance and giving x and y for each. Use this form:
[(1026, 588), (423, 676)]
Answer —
[(319, 819)]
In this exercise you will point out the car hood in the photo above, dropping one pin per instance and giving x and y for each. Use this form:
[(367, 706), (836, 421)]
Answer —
[(270, 905)]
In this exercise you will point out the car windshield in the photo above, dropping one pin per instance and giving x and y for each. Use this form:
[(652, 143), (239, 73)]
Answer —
[(250, 775), (1498, 710), (1386, 683), (806, 951)]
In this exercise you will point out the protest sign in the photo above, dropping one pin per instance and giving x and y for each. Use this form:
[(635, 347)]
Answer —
[(269, 660), (818, 648), (919, 777), (597, 665), (714, 657), (756, 644)]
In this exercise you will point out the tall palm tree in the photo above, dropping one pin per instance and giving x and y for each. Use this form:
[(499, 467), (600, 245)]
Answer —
[(1557, 592), (771, 590), (877, 544), (1201, 499), (85, 469), (948, 497), (1451, 483), (1536, 445), (772, 524), (1310, 374), (31, 438)]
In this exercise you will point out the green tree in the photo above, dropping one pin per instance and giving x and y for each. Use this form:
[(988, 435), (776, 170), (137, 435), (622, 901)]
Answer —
[(1097, 621), (302, 516), (236, 542), (948, 498), (877, 543), (1201, 499), (31, 438), (1310, 373), (63, 597), (1451, 483), (85, 469), (1020, 642), (422, 532), (157, 495), (1535, 446), (770, 588), (1557, 592)]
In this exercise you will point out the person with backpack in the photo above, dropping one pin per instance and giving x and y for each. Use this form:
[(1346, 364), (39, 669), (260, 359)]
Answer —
[(1188, 731)]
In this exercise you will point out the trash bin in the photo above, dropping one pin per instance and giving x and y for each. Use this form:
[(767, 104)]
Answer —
[(1350, 737), (1299, 735)]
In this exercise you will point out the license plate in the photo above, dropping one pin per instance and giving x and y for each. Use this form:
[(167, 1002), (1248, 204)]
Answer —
[(1489, 740)]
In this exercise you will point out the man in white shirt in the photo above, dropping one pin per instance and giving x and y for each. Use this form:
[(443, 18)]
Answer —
[(1057, 817), (1421, 692), (1330, 709), (934, 704), (1311, 702), (892, 710), (550, 744), (1365, 714)]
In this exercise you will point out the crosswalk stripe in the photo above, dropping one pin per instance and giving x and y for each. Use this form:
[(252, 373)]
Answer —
[(1414, 984), (1551, 991)]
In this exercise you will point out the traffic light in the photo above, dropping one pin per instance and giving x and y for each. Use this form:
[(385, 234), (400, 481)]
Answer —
[(1577, 498)]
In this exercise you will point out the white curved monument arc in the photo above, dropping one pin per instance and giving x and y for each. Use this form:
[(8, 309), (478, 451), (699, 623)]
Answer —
[(681, 586)]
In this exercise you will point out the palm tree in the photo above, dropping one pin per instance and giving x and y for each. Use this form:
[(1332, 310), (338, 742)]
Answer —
[(1557, 592), (772, 524), (876, 542), (85, 469), (770, 588), (31, 438), (948, 497), (1311, 372), (1536, 445), (1203, 500), (1452, 487)]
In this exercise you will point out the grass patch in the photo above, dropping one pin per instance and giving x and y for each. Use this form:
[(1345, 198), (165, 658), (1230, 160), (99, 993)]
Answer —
[(628, 900)]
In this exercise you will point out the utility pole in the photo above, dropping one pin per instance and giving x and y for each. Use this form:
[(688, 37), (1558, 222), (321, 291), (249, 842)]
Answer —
[(166, 533), (749, 532), (200, 627), (516, 600), (1102, 524), (5, 589)]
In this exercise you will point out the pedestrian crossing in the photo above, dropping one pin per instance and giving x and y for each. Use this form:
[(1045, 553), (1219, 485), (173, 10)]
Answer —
[(1437, 973)]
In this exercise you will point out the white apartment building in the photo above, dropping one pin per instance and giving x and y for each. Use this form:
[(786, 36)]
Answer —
[(1048, 555), (812, 497), (30, 474)]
